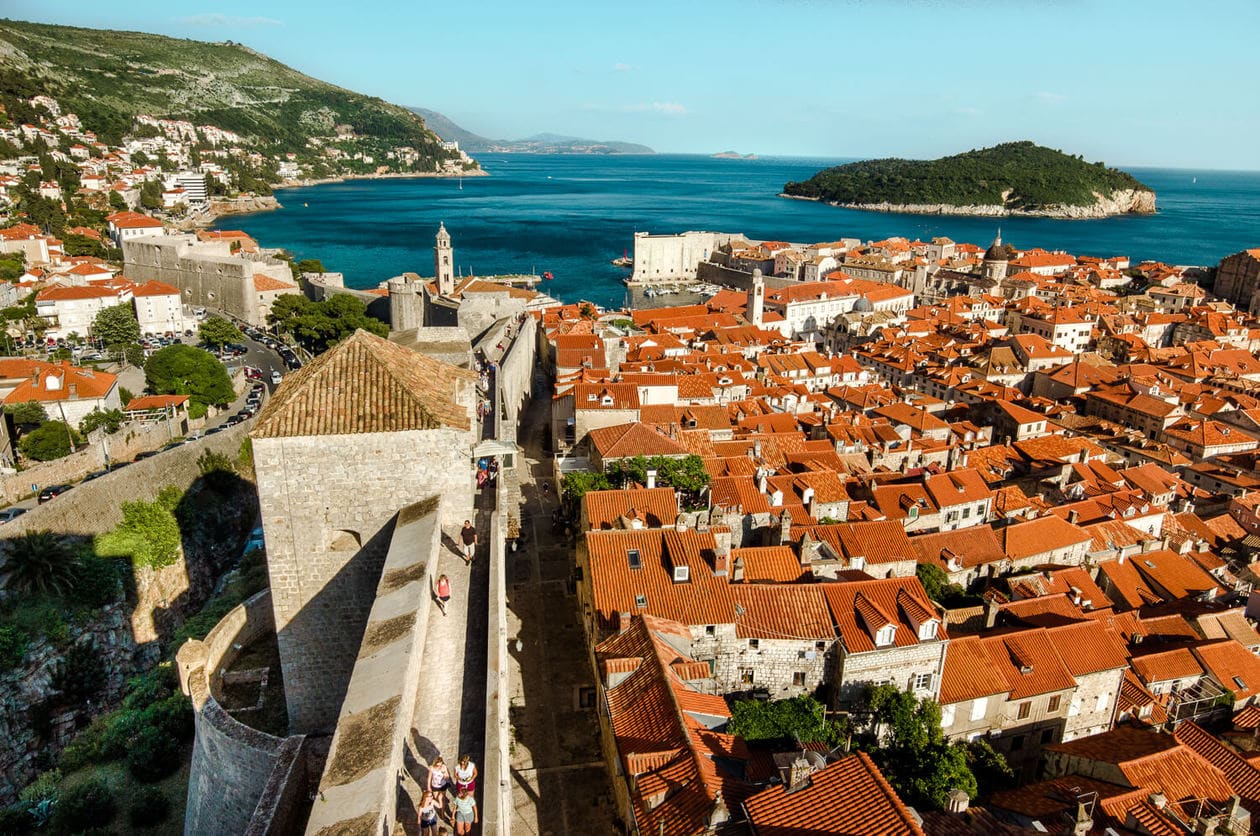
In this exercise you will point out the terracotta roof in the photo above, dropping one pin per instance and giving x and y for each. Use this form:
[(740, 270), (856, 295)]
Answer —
[(155, 402), (1166, 666), (968, 673), (37, 380), (634, 439), (366, 384), (1043, 534), (781, 611), (1088, 647), (1232, 665), (263, 283), (861, 608), (849, 796), (654, 507), (769, 563), (1243, 777), (66, 294), (154, 288)]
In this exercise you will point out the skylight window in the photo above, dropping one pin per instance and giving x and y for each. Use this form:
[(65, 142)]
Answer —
[(640, 601), (634, 558)]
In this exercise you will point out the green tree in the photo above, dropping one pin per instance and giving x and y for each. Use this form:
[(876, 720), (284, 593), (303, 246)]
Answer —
[(151, 194), (110, 419), (28, 414), (320, 325), (40, 562), (218, 332), (148, 535), (51, 440), (911, 751), (799, 719), (938, 587), (117, 202), (311, 265), (576, 484), (989, 766), (116, 326), (184, 370)]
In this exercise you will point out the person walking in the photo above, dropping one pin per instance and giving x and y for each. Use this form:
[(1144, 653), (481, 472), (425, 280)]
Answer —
[(429, 807), (443, 595), (439, 779), (465, 813), (468, 540), (466, 774)]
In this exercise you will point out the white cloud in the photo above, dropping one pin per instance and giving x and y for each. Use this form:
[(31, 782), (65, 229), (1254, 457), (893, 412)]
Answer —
[(623, 68), (1049, 98), (234, 21), (670, 108)]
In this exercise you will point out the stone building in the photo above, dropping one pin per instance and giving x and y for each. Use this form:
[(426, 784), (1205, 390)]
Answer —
[(1238, 278), (364, 429)]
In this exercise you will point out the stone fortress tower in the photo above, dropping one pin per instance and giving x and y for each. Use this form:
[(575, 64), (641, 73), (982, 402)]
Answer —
[(995, 260), (444, 262), (406, 302), (756, 299)]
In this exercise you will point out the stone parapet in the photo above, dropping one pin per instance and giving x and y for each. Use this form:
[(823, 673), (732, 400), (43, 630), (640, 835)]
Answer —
[(496, 802), (360, 785)]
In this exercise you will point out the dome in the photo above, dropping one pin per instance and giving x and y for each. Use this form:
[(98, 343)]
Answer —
[(996, 252)]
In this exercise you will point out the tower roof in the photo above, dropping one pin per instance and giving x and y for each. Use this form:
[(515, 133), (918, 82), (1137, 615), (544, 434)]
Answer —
[(996, 252), (366, 384)]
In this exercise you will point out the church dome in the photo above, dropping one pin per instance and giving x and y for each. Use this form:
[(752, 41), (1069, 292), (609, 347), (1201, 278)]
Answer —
[(996, 252)]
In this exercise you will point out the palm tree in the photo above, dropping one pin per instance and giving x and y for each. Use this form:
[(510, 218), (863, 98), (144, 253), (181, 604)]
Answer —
[(40, 561)]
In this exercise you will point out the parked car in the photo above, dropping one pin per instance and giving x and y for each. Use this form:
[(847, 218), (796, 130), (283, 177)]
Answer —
[(148, 454), (91, 355), (10, 514), (96, 474), (52, 492), (214, 430)]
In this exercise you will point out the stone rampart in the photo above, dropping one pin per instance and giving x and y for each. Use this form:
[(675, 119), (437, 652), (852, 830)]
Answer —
[(496, 801), (232, 763), (738, 279), (203, 276), (359, 788), (131, 439), (96, 505)]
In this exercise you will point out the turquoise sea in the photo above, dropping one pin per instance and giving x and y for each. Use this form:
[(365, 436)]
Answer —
[(571, 215)]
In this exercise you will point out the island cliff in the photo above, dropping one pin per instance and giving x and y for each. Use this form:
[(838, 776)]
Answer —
[(1017, 178)]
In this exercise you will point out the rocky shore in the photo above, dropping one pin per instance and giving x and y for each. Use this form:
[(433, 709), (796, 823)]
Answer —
[(1123, 202), (389, 175)]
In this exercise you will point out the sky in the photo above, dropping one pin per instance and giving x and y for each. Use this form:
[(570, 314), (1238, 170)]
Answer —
[(1129, 82)]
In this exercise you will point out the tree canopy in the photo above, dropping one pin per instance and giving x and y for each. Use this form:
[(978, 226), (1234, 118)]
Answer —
[(686, 475), (218, 332), (184, 370), (799, 720), (148, 534), (116, 326), (51, 440), (320, 325)]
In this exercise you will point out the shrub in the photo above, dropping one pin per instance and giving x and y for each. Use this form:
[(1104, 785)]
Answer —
[(80, 674), (89, 804), (153, 755), (148, 534), (40, 562), (45, 786), (13, 644), (96, 584), (50, 441), (150, 806)]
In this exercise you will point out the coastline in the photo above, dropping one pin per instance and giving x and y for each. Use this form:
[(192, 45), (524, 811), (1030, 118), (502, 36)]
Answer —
[(1097, 211), (389, 175)]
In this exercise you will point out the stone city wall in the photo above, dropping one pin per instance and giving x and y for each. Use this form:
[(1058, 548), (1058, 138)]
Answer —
[(496, 801), (97, 505), (231, 762), (738, 279), (360, 786), (326, 504), (317, 289), (132, 438), (203, 277)]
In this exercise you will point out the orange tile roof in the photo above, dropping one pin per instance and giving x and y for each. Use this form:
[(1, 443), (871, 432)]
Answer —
[(974, 546), (366, 384), (781, 611), (264, 283), (147, 402), (654, 507), (860, 608), (1232, 665), (36, 377), (968, 673), (1167, 665), (634, 439), (1243, 776), (1089, 647), (1043, 534), (154, 288), (1029, 662), (849, 796), (768, 563)]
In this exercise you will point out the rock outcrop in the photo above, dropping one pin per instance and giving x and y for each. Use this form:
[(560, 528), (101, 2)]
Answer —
[(1121, 202)]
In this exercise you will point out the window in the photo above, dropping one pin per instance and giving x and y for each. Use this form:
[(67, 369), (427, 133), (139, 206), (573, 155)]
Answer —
[(978, 707), (800, 654), (1053, 706), (640, 601), (927, 630), (710, 630), (798, 679), (682, 574), (746, 676), (966, 512), (921, 682), (947, 715), (820, 646), (1047, 736), (1100, 702), (1017, 743), (1025, 708), (886, 635), (753, 644), (634, 558)]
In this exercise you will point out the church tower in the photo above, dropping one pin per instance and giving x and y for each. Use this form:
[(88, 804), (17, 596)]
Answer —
[(756, 299), (995, 260), (444, 262)]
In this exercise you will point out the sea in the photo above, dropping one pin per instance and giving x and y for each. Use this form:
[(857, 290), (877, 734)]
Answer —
[(571, 215)]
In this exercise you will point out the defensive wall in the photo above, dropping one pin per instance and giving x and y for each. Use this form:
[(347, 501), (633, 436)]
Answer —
[(320, 286), (206, 273), (738, 279), (661, 258), (360, 785), (232, 763), (496, 798)]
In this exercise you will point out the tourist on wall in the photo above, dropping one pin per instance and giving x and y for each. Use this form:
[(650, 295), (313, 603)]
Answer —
[(439, 778), (465, 812), (429, 807), (443, 593), (468, 539), (466, 774)]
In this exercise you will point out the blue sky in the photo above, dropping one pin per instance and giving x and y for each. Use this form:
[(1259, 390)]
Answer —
[(1131, 82)]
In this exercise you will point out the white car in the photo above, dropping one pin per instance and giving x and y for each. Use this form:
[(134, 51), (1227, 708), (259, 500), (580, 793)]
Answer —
[(276, 377)]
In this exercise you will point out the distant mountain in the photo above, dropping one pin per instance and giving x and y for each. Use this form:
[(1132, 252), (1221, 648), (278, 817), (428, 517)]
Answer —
[(108, 78), (1014, 178), (543, 143)]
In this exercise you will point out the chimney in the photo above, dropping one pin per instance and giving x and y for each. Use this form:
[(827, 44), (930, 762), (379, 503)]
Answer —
[(807, 499), (1073, 516), (798, 774), (623, 622), (761, 481), (1239, 823), (776, 499), (990, 613), (957, 801), (719, 815), (1158, 800), (757, 448), (73, 389), (651, 479), (721, 550), (737, 576), (680, 524), (785, 527)]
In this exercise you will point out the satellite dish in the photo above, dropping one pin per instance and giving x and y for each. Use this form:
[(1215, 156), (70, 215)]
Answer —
[(816, 760)]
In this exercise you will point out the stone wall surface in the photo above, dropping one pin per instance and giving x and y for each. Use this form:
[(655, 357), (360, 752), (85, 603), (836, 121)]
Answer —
[(896, 665), (360, 781), (218, 281), (95, 507), (231, 762), (326, 503)]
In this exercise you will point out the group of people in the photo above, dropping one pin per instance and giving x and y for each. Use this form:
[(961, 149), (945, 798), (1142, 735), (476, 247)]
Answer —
[(462, 784)]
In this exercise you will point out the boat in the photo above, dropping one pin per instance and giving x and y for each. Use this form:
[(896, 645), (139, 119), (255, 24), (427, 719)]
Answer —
[(304, 205), (547, 275), (624, 261)]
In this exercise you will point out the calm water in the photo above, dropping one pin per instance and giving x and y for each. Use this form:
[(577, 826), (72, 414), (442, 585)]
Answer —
[(572, 214)]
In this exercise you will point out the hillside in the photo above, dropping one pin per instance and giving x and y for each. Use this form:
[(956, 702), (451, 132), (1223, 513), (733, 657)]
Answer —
[(1014, 178), (544, 143), (108, 77)]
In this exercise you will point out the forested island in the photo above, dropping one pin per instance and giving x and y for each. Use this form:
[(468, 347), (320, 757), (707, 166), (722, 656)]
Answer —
[(1014, 178)]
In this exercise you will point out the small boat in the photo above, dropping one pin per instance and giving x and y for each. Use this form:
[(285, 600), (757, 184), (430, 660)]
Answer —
[(547, 275), (624, 261), (305, 205)]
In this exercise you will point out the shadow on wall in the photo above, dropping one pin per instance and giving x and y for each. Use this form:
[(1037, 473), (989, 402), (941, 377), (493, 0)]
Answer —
[(320, 644)]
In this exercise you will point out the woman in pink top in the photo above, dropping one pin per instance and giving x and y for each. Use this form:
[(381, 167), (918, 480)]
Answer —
[(443, 592)]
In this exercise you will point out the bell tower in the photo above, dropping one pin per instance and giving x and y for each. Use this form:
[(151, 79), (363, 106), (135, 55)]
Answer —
[(444, 262)]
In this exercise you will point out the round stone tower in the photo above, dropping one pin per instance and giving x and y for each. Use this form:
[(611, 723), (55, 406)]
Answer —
[(995, 260)]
